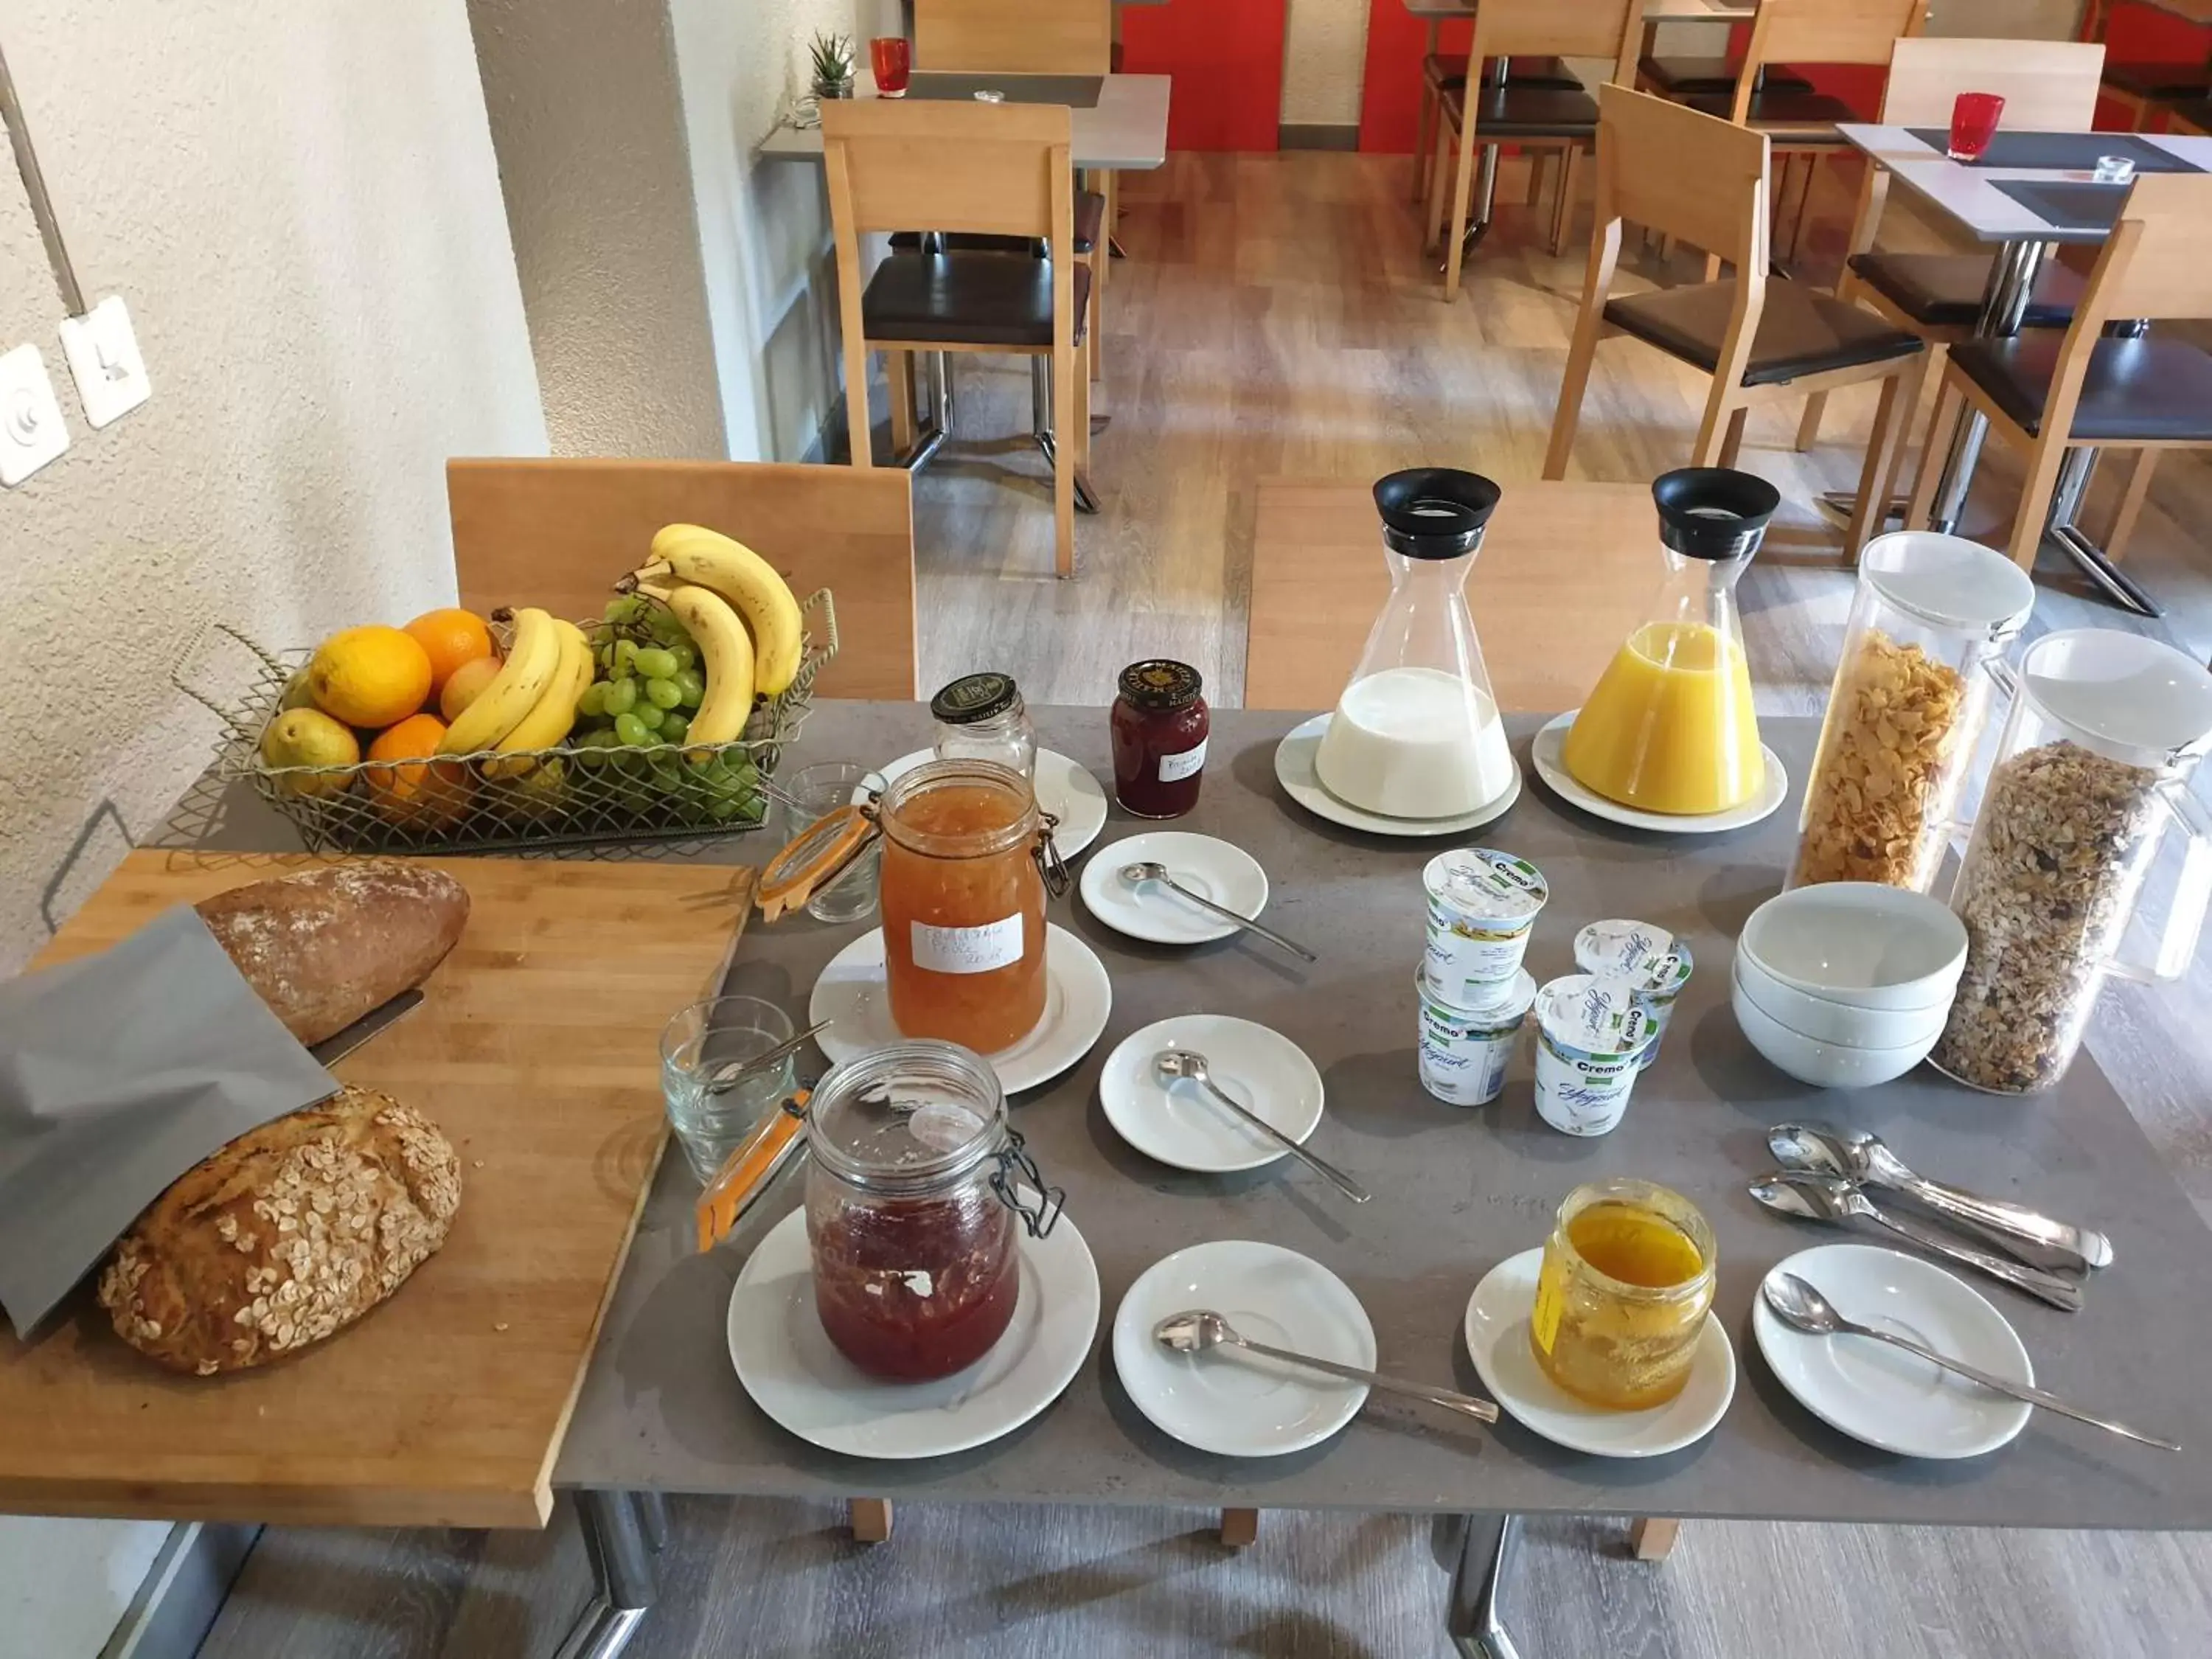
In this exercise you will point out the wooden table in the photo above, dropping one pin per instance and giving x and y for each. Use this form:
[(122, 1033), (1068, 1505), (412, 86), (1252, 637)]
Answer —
[(1566, 570), (1126, 130), (1458, 1190), (535, 1051)]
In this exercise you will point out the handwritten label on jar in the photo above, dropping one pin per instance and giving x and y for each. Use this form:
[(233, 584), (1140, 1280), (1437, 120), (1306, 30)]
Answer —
[(966, 950), (1175, 766)]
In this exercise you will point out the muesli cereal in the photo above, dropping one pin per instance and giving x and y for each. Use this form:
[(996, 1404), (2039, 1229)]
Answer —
[(2058, 848), (1892, 755)]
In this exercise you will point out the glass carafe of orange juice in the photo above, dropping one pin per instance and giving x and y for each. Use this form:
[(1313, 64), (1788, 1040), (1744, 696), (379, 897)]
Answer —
[(1670, 727)]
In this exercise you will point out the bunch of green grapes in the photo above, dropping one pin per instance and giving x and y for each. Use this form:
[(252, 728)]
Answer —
[(647, 682)]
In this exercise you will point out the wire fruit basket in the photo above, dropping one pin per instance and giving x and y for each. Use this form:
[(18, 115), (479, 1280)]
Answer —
[(575, 794)]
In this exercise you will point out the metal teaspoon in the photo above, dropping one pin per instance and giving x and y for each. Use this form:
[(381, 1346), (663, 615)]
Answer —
[(1136, 874), (1198, 1329)]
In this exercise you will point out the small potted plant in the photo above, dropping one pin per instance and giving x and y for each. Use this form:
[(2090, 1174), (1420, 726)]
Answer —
[(831, 56)]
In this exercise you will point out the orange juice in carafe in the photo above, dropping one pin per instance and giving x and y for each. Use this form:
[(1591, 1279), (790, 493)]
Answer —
[(1670, 726)]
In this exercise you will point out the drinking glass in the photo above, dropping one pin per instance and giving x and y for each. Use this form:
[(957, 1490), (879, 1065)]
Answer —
[(814, 791), (698, 1046), (892, 58), (1974, 118)]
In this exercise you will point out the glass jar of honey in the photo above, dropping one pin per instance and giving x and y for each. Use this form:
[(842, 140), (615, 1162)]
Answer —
[(1623, 1294), (963, 896)]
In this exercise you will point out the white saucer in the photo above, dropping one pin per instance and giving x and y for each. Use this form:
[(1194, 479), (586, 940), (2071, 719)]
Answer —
[(784, 1359), (1241, 1405), (1880, 1394), (1064, 789), (1773, 789), (1077, 997), (1498, 1341), (1294, 770), (1261, 1070), (1228, 875)]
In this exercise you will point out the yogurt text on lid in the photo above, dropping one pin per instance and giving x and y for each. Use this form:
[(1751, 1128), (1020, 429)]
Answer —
[(1649, 958), (1476, 882), (1591, 1034)]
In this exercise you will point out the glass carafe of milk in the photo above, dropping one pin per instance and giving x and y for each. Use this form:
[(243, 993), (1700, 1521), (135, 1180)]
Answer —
[(1416, 733)]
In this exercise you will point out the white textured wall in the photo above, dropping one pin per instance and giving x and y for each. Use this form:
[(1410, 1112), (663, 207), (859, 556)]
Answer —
[(1324, 55), (299, 203)]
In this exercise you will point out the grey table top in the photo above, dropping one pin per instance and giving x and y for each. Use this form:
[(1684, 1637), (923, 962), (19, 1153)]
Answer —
[(1458, 1191), (1125, 129), (1968, 196)]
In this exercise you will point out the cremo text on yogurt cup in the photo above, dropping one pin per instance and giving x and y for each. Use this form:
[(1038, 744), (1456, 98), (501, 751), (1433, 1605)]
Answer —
[(1590, 1037), (1465, 1052), (1482, 906)]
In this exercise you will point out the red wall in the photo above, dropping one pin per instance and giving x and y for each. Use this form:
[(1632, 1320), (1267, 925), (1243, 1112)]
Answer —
[(1226, 57), (1389, 102)]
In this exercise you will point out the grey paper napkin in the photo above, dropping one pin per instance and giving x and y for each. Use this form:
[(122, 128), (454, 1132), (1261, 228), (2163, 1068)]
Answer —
[(118, 1073)]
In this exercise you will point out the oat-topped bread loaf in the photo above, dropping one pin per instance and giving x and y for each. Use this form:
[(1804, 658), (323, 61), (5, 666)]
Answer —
[(323, 946), (285, 1237)]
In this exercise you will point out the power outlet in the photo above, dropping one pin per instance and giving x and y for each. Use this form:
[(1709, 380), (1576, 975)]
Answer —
[(31, 429), (103, 354)]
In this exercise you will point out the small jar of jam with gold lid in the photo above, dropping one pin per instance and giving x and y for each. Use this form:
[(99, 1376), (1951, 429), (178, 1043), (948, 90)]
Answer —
[(1160, 724)]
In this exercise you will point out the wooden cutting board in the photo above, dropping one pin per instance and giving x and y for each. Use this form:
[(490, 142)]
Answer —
[(536, 1051)]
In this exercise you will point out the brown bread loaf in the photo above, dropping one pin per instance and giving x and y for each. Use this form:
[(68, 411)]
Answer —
[(327, 945), (285, 1237)]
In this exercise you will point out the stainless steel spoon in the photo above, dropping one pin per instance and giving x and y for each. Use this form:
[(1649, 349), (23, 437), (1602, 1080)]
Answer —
[(1137, 874), (1198, 1329), (1831, 1197), (1799, 1305), (1858, 1156), (1182, 1065)]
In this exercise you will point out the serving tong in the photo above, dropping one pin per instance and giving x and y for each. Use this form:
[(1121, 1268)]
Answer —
[(1825, 1174)]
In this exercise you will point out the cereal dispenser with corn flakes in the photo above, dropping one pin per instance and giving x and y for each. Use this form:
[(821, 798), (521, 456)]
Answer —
[(1930, 626)]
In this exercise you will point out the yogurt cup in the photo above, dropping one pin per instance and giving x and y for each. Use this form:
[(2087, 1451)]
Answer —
[(1649, 958), (1590, 1037), (1482, 907), (1465, 1052)]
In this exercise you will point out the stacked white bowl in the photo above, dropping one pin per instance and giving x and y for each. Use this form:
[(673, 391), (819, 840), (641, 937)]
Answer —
[(1847, 984)]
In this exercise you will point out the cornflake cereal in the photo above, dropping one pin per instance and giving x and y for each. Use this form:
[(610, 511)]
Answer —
[(2060, 844), (1891, 759)]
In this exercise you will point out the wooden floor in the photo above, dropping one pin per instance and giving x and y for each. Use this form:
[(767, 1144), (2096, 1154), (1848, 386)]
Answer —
[(1274, 318)]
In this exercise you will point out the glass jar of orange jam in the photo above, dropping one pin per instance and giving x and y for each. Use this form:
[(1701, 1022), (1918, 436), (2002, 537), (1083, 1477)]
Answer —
[(963, 904)]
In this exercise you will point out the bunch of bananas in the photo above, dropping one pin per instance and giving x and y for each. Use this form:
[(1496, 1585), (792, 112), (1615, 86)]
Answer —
[(531, 703), (739, 613)]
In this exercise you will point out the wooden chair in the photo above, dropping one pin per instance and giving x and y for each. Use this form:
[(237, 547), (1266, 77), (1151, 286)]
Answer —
[(558, 532), (997, 169), (2047, 393), (2048, 86), (1442, 72), (1800, 121), (1533, 117), (1017, 37), (1760, 337)]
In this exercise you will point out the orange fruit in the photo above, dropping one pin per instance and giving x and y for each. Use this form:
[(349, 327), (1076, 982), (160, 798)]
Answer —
[(369, 677), (466, 684), (449, 638), (420, 794)]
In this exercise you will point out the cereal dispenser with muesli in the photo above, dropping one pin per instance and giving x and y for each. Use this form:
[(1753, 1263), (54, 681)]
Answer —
[(2092, 770), (1923, 650)]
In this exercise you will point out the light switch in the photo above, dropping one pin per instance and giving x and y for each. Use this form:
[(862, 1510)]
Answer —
[(31, 429), (103, 355)]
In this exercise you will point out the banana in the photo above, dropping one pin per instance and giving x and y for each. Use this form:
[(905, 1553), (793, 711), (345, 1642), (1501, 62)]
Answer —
[(555, 712), (503, 705), (707, 558), (727, 651)]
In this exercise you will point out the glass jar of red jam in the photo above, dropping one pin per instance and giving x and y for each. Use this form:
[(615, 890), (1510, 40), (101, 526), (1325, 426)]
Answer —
[(1160, 722), (916, 1266)]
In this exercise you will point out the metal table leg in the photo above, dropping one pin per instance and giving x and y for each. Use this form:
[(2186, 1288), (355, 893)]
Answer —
[(1477, 1622), (2065, 502), (937, 374), (1041, 432), (623, 1532), (2004, 304)]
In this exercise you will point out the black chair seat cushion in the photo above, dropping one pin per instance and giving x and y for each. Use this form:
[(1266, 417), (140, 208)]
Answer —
[(1944, 291), (1679, 78), (1514, 111), (2135, 389), (2160, 80), (1442, 70), (967, 298), (1794, 117), (1801, 332), (1089, 219)]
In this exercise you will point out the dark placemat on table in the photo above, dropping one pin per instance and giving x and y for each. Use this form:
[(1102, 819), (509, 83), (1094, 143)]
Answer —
[(2062, 152), (2068, 206), (1076, 91)]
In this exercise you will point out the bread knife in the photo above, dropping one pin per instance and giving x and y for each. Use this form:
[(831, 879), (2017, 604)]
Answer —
[(335, 1046)]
